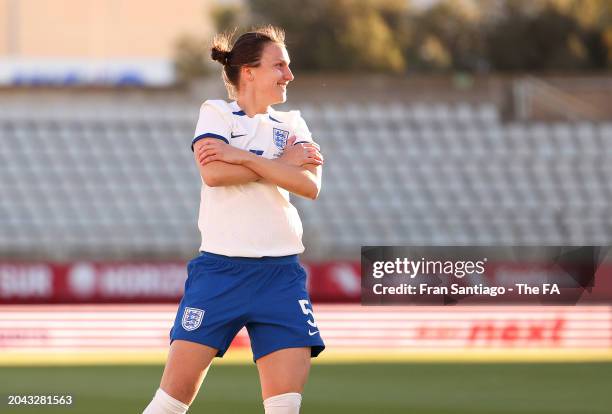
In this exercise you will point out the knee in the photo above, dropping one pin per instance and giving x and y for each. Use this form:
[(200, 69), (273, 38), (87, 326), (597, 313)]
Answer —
[(165, 403), (185, 393), (183, 388), (280, 386)]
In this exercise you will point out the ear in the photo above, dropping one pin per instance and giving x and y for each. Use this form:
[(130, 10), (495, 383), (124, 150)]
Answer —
[(247, 73)]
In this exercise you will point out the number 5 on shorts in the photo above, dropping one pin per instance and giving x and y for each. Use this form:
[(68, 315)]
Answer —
[(307, 312)]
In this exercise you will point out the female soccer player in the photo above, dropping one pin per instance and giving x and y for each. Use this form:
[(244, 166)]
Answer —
[(250, 158)]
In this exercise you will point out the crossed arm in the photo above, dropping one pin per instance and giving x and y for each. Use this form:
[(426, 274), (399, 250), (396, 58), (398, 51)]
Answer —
[(298, 170)]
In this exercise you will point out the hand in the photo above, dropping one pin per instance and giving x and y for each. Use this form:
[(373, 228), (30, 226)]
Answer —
[(217, 150), (301, 154)]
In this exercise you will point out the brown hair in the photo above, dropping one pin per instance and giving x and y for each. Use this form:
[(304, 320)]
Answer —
[(246, 51)]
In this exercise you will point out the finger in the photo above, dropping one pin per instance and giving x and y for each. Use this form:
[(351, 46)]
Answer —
[(314, 157), (314, 152), (209, 154), (202, 149), (209, 159), (310, 144), (204, 152), (210, 151), (291, 140), (313, 162), (311, 148), (203, 160), (211, 143)]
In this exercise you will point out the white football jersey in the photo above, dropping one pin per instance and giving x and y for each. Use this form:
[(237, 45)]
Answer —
[(254, 219)]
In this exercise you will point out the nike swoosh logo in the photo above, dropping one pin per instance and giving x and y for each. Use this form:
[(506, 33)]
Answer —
[(312, 333), (236, 136)]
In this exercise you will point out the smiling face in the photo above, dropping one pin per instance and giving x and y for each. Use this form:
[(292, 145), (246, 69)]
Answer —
[(269, 80)]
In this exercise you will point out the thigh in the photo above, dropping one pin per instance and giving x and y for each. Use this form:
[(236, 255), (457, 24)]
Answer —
[(281, 315), (284, 371), (186, 367), (214, 304)]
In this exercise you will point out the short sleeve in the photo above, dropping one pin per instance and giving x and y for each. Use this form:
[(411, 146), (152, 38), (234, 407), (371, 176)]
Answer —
[(211, 124), (301, 130)]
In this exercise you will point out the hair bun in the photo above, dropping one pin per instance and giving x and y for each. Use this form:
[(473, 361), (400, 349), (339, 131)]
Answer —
[(221, 56)]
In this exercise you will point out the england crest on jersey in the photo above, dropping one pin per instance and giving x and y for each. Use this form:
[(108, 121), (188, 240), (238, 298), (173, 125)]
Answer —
[(280, 137), (192, 318)]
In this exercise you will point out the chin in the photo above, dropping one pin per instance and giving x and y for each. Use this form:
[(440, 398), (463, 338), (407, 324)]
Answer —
[(281, 98)]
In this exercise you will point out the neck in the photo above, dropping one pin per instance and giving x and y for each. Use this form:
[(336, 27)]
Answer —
[(249, 104)]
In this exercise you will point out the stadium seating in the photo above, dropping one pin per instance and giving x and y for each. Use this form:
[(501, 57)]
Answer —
[(114, 181)]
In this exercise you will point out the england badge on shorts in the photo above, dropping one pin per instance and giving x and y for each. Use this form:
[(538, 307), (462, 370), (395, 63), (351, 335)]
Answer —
[(192, 318), (280, 137)]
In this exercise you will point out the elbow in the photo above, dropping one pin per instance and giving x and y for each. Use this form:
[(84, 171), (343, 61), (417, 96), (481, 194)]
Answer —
[(211, 180), (312, 185), (313, 192)]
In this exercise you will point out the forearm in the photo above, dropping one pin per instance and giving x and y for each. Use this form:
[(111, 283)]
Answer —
[(296, 171), (220, 173), (297, 180)]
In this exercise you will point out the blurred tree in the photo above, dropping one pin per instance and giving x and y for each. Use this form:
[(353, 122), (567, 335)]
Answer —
[(388, 36), (447, 36), (521, 41), (339, 35), (595, 20), (191, 58), (229, 17), (192, 54), (547, 39)]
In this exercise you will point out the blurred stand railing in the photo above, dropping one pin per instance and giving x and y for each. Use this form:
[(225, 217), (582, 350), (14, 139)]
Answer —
[(535, 98)]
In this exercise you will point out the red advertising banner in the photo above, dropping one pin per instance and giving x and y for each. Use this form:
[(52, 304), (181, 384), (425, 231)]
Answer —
[(159, 282), (149, 282)]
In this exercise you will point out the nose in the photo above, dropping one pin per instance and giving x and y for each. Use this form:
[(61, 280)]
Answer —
[(288, 75)]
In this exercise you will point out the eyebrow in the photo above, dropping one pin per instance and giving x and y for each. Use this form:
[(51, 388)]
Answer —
[(283, 61)]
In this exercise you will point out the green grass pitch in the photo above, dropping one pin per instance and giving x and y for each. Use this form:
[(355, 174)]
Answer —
[(394, 388)]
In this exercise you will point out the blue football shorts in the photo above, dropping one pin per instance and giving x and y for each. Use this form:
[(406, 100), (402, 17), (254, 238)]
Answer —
[(267, 295)]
